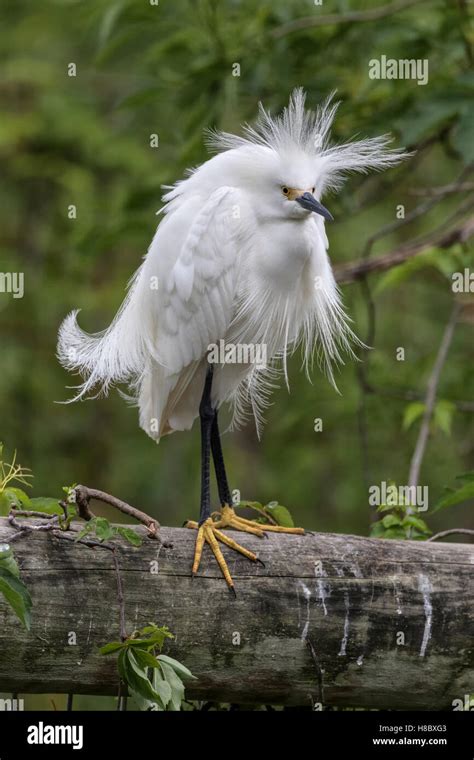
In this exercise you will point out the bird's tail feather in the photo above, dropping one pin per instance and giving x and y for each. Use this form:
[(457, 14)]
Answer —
[(116, 355)]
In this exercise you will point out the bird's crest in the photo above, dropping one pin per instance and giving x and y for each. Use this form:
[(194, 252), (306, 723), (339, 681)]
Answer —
[(295, 128), (298, 129)]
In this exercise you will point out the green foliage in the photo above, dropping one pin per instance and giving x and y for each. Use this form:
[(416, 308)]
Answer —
[(412, 412), (12, 472), (46, 504), (101, 528), (453, 496), (273, 513), (16, 498), (13, 588), (401, 521), (154, 680), (442, 419), (443, 415)]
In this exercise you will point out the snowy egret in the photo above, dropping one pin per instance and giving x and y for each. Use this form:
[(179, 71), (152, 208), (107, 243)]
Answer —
[(239, 260)]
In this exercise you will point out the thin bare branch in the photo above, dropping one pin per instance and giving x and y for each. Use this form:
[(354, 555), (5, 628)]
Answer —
[(440, 238), (50, 523), (443, 190), (351, 17), (85, 494), (451, 532), (430, 398)]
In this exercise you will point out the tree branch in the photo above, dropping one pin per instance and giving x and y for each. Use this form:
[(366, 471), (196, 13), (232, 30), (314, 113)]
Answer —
[(443, 190), (331, 19), (451, 532), (324, 635), (430, 398), (441, 239), (85, 494)]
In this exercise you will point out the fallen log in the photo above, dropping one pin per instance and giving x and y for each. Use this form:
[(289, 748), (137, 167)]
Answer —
[(330, 620)]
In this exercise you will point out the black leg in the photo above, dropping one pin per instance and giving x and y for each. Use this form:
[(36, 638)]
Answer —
[(207, 415), (209, 531), (219, 466)]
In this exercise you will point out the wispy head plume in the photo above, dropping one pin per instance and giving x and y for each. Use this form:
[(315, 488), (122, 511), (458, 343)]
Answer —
[(308, 132)]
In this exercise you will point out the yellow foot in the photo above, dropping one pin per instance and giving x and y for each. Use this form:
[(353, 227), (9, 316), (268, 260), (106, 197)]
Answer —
[(229, 519), (209, 532)]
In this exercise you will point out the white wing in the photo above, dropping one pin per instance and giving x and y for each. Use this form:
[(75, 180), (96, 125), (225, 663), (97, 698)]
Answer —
[(161, 334), (195, 304)]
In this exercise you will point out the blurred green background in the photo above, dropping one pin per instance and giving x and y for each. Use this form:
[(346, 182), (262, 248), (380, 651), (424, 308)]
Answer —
[(84, 140)]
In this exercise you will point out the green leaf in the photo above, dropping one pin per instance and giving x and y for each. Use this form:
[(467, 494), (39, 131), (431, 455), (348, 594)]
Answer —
[(280, 513), (377, 530), (8, 561), (47, 505), (17, 595), (121, 665), (88, 528), (178, 667), (146, 659), (152, 628), (146, 644), (416, 522), (13, 497), (391, 507), (129, 535), (390, 520), (147, 704), (415, 535), (137, 678), (176, 685), (395, 533), (113, 646), (161, 687), (412, 412), (103, 529), (443, 415), (458, 496), (156, 636)]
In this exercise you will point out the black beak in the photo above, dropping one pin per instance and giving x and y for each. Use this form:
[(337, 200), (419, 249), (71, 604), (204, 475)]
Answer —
[(310, 203)]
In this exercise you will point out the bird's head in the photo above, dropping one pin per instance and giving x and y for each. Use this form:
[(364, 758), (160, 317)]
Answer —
[(282, 184), (305, 200), (286, 163)]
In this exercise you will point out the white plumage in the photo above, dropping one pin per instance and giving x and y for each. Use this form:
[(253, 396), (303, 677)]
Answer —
[(232, 259)]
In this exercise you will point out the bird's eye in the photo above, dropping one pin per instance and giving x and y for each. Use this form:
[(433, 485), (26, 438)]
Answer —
[(285, 190), (313, 189)]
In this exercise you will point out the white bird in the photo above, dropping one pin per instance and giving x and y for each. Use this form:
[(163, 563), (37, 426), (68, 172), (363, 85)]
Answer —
[(239, 259)]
